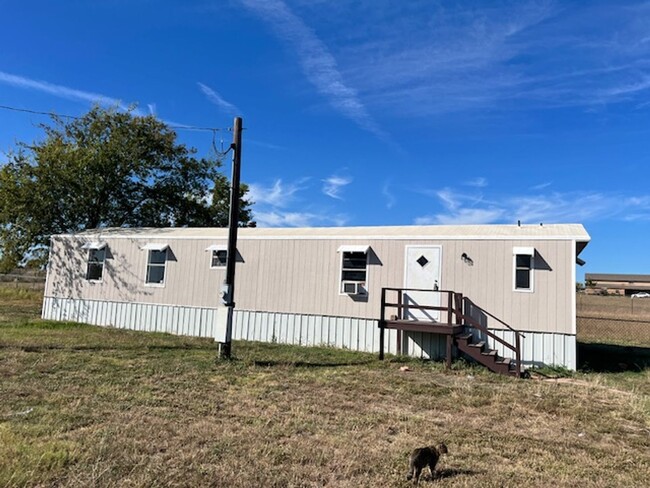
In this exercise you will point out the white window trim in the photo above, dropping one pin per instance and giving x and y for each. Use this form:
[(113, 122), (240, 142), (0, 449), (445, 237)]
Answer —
[(153, 247), (343, 249), (94, 245), (217, 247), (525, 251), (355, 248), (212, 256), (529, 251)]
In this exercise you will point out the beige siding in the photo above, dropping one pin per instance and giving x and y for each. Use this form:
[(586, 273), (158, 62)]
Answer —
[(302, 276), (490, 282)]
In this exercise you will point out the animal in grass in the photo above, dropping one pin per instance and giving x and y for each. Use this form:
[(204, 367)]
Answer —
[(422, 457)]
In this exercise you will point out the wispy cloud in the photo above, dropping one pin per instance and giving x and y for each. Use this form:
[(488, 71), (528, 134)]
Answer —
[(458, 208), (218, 100), (298, 219), (467, 216), (317, 62), (390, 197), (333, 185), (277, 204), (510, 55), (278, 194), (264, 144), (60, 91), (478, 182), (541, 186)]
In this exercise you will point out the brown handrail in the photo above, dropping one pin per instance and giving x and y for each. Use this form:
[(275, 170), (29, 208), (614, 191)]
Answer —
[(495, 318), (382, 324), (456, 307), (474, 323), (516, 348), (418, 307)]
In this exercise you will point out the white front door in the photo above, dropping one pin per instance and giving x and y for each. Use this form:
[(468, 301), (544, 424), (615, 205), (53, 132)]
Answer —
[(423, 272)]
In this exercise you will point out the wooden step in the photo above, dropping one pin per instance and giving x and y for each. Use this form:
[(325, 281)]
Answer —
[(487, 357)]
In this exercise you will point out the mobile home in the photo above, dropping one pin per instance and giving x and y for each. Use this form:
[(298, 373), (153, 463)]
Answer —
[(329, 286)]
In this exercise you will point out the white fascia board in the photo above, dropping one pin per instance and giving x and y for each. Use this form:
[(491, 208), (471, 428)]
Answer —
[(154, 246), (362, 248), (217, 247), (396, 237)]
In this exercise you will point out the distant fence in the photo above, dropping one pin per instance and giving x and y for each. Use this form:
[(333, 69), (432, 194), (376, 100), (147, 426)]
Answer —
[(613, 330), (19, 280)]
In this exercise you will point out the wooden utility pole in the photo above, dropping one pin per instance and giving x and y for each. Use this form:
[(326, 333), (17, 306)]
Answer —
[(228, 291)]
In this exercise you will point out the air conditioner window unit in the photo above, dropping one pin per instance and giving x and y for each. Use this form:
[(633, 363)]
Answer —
[(353, 288)]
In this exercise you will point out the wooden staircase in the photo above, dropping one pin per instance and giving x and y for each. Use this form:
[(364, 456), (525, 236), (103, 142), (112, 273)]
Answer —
[(459, 328), (487, 357)]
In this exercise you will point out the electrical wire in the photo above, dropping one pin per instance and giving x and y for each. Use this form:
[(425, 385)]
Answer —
[(176, 127), (219, 154)]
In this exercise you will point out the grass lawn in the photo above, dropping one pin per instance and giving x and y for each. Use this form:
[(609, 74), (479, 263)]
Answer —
[(90, 406)]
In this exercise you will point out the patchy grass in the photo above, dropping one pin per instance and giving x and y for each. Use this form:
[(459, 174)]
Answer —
[(19, 304), (91, 406)]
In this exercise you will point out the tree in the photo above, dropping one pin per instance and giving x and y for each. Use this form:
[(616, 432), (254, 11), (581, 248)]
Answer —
[(106, 169)]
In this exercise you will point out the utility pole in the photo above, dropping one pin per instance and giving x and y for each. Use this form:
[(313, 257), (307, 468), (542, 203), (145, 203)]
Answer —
[(228, 290)]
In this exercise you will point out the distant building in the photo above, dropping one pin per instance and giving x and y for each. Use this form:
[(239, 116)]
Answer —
[(616, 284)]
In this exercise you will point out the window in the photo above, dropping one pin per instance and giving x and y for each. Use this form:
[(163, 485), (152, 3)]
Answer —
[(96, 258), (218, 255), (95, 264), (219, 259), (156, 267), (156, 262), (354, 270), (523, 264), (95, 268)]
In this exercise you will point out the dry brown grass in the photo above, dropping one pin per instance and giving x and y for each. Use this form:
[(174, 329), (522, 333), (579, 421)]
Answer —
[(87, 406), (613, 306)]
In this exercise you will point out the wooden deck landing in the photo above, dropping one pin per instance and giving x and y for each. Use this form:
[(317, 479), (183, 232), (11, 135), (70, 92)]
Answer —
[(457, 319), (424, 326)]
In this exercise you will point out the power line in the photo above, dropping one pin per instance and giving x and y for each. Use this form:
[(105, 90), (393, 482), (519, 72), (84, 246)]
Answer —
[(54, 114)]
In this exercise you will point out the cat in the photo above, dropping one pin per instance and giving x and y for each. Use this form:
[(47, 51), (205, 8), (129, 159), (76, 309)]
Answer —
[(422, 457)]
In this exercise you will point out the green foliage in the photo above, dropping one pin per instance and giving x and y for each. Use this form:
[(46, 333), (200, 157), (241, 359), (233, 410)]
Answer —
[(106, 169)]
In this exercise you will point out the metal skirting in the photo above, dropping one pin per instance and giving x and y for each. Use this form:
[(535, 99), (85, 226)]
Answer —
[(311, 330), (300, 329), (170, 319), (538, 348), (284, 328)]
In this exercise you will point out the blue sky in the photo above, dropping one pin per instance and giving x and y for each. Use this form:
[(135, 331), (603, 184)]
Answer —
[(373, 112)]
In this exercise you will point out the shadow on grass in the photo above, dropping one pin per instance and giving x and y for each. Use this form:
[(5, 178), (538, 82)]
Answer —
[(612, 358), (449, 473), (311, 364), (116, 347)]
